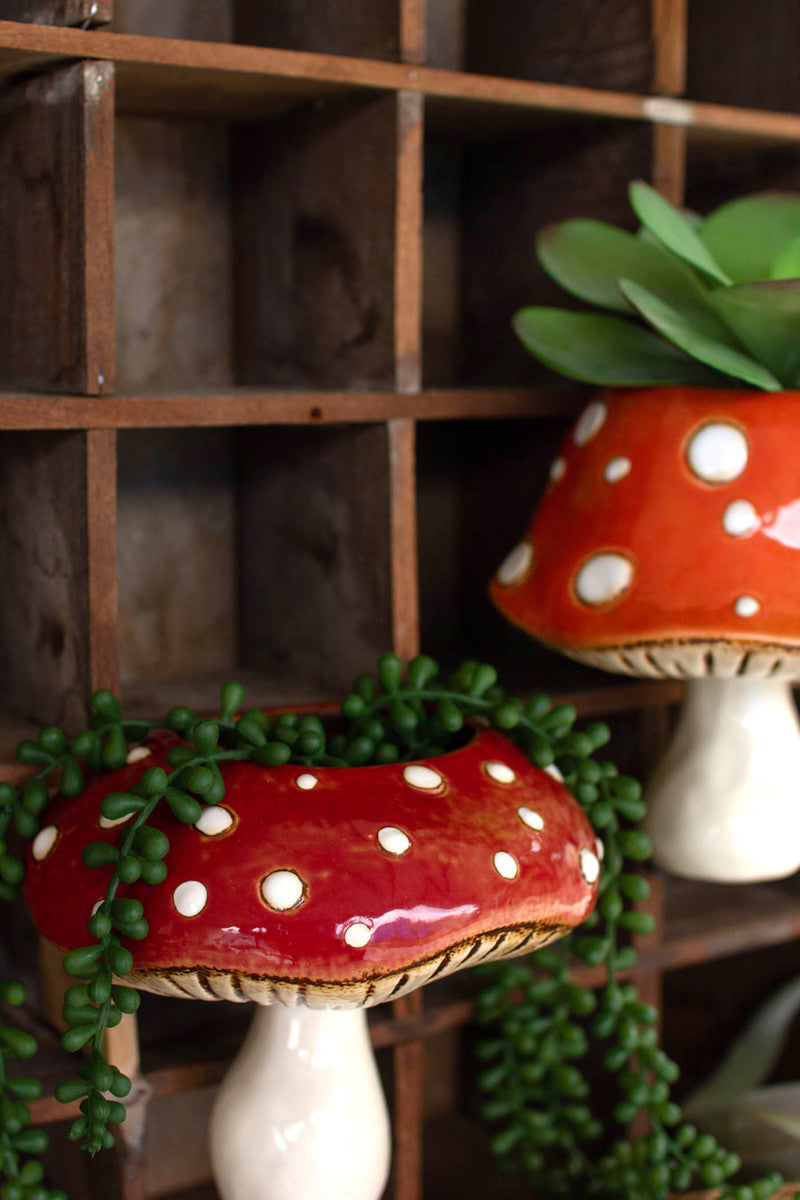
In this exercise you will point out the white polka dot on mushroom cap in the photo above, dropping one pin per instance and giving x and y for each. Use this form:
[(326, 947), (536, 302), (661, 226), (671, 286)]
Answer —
[(505, 864), (500, 772), (617, 468), (558, 470), (394, 841), (746, 606), (137, 754), (531, 818), (516, 565), (306, 781), (589, 422), (44, 842), (283, 890), (603, 577), (590, 865), (190, 897), (553, 770), (214, 820), (417, 775), (717, 452), (740, 518), (357, 934)]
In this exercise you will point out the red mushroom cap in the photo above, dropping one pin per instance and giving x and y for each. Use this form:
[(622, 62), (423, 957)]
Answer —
[(668, 541), (334, 887)]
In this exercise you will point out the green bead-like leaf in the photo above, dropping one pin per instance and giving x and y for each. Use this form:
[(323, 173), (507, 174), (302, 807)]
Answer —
[(76, 962), (274, 754), (104, 703), (71, 778), (721, 356), (120, 804), (205, 736), (115, 749), (120, 960), (390, 672), (187, 809), (180, 719), (231, 699), (251, 731), (420, 671), (12, 992), (77, 1037), (601, 349), (673, 230), (151, 843), (484, 677), (99, 854)]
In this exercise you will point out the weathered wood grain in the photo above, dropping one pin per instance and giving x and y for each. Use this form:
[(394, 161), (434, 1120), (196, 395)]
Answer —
[(44, 636), (361, 28), (315, 592), (56, 162), (594, 43), (314, 247)]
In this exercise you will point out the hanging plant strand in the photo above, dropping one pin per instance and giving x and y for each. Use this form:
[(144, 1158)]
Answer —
[(537, 1024)]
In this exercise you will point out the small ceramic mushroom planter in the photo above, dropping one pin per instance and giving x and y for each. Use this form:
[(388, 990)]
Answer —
[(668, 545), (316, 894)]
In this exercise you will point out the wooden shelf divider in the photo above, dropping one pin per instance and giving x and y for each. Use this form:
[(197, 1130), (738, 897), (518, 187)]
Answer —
[(301, 201)]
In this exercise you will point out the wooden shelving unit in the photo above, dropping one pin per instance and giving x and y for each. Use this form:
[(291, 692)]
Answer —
[(261, 410)]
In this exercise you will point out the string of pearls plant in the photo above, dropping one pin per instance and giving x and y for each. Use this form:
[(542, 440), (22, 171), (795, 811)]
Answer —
[(537, 1024)]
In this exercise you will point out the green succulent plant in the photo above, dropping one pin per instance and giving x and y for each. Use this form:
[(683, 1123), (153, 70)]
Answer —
[(713, 301)]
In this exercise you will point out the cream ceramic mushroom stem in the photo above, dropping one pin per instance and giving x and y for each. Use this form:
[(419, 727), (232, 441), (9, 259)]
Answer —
[(724, 803), (301, 1113)]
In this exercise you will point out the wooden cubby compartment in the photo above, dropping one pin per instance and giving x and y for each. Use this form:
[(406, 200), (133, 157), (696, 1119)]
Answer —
[(262, 414)]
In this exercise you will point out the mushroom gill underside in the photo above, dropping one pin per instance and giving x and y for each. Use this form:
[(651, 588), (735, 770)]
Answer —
[(364, 991)]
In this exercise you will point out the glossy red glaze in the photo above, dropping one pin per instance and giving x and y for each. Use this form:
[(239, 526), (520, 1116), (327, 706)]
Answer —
[(443, 890), (688, 572)]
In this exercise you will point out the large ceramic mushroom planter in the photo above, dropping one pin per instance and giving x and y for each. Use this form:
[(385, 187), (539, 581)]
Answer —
[(317, 892), (668, 545), (667, 541)]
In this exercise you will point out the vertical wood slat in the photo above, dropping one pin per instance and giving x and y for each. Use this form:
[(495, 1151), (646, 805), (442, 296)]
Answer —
[(101, 530), (407, 1171), (56, 163), (669, 19), (413, 47)]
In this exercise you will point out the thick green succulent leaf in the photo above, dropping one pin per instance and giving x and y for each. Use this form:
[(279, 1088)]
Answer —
[(786, 263), (721, 356), (603, 349), (675, 231), (747, 235), (588, 258), (765, 316)]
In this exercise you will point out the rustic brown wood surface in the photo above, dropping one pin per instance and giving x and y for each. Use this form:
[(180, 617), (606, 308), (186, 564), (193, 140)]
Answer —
[(44, 651), (56, 160), (166, 76), (243, 406), (271, 287)]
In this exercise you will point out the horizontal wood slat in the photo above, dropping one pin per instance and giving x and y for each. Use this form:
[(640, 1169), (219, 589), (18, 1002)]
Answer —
[(163, 75), (245, 407)]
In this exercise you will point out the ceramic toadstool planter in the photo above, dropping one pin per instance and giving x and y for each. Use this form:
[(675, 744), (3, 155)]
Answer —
[(316, 894), (668, 545)]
